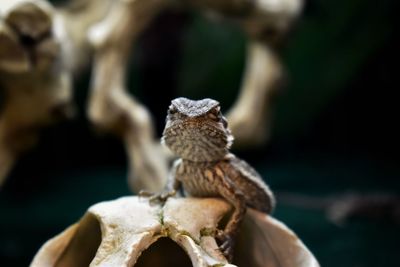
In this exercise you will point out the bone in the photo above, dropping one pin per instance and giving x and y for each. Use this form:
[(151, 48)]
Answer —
[(39, 41), (13, 57), (31, 19), (250, 116), (35, 84), (41, 49), (111, 107), (118, 233)]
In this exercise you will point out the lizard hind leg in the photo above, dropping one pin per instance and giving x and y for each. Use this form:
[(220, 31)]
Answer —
[(226, 238)]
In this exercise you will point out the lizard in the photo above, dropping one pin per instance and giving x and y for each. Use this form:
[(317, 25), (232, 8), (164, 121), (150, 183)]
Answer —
[(198, 133)]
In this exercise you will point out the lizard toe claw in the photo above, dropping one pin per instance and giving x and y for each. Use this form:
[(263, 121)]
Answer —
[(165, 195), (226, 243), (145, 193), (157, 197)]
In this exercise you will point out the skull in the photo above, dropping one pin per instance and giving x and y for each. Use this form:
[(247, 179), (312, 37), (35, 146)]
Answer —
[(132, 232)]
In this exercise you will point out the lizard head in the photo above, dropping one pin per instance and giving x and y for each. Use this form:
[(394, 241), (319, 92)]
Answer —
[(196, 130)]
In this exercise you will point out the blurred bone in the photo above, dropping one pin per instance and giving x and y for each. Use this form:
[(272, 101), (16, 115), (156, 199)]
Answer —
[(40, 49), (375, 207), (31, 19), (13, 57), (270, 20), (344, 207), (250, 116), (33, 100), (111, 107), (34, 83), (222, 7), (40, 43), (75, 19)]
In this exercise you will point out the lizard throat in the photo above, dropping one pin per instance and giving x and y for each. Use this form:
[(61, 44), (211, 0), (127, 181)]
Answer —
[(197, 143)]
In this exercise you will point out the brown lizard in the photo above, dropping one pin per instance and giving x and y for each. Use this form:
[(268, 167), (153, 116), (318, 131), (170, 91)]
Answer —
[(197, 132)]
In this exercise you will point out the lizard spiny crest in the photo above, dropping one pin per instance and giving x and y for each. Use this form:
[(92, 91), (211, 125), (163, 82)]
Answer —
[(196, 130)]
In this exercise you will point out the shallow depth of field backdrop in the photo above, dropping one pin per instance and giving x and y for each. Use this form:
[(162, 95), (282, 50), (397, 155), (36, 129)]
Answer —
[(334, 131)]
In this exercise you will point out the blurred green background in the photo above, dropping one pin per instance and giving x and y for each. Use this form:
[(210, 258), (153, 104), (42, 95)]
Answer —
[(334, 131)]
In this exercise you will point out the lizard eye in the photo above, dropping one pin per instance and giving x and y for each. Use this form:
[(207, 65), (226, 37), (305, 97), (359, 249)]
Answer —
[(213, 116), (172, 110), (215, 113)]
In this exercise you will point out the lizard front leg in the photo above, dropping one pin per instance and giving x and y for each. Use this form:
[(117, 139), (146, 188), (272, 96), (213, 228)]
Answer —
[(172, 187), (235, 197)]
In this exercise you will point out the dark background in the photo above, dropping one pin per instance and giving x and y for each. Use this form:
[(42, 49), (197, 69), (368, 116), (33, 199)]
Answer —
[(335, 128)]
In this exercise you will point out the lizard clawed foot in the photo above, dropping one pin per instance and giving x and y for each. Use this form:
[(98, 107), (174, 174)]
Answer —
[(157, 197), (226, 243)]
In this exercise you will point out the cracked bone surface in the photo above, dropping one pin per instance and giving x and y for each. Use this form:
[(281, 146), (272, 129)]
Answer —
[(129, 232)]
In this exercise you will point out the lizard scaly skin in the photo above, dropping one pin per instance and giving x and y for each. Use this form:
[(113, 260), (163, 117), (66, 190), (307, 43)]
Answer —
[(197, 132)]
